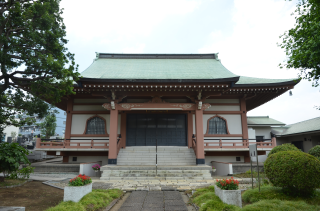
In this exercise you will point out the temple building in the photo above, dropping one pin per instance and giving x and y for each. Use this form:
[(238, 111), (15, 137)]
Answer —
[(188, 105)]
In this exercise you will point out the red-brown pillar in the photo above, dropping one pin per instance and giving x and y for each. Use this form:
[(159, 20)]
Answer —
[(274, 141), (113, 136), (244, 123), (123, 129), (199, 137), (67, 133), (244, 126), (190, 129)]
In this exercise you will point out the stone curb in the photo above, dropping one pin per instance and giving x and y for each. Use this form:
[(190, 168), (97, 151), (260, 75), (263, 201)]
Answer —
[(13, 186), (51, 182), (194, 205), (109, 207)]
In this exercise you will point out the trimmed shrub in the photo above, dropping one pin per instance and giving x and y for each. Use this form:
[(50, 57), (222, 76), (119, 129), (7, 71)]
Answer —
[(283, 147), (295, 171), (315, 151)]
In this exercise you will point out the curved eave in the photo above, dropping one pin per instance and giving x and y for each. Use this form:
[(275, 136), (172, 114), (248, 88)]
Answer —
[(220, 80), (286, 83)]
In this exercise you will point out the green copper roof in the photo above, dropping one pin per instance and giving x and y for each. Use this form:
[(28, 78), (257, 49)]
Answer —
[(166, 67), (157, 69), (300, 127), (263, 120)]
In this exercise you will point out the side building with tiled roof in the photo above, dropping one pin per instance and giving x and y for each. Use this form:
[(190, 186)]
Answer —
[(188, 105), (304, 135)]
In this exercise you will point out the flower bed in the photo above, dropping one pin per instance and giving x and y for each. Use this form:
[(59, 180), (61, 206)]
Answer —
[(78, 187), (227, 191)]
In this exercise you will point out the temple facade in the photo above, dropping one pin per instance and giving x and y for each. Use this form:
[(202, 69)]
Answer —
[(173, 101)]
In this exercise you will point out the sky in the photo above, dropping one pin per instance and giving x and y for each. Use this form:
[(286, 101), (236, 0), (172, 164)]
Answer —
[(245, 33)]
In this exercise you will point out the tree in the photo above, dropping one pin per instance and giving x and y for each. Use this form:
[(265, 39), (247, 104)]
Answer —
[(302, 43), (11, 155), (48, 126), (34, 62)]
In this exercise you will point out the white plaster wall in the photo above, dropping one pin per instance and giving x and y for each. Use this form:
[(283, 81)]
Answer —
[(223, 108), (228, 159), (233, 121), (102, 101), (88, 108), (221, 101), (85, 159), (251, 134), (263, 131), (307, 145), (79, 122)]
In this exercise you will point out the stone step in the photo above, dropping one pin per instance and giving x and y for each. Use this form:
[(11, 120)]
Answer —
[(155, 178)]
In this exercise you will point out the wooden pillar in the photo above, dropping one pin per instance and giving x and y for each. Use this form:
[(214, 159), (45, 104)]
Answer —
[(244, 123), (67, 133), (274, 141), (113, 137), (190, 129), (123, 130), (199, 137), (244, 126)]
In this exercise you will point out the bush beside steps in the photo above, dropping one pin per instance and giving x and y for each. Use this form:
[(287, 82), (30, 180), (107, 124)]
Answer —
[(95, 200)]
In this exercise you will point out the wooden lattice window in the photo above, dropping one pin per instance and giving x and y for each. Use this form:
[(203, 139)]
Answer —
[(96, 125), (217, 125)]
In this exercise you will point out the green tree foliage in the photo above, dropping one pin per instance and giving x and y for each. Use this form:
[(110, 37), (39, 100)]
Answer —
[(302, 43), (294, 171), (34, 62), (11, 155), (283, 147), (48, 126), (315, 151)]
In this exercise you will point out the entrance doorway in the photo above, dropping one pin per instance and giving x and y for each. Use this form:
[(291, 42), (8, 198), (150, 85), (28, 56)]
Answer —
[(168, 129)]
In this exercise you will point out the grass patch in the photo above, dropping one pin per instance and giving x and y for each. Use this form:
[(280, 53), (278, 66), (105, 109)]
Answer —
[(269, 199), (95, 200), (11, 182), (208, 201), (276, 204), (270, 193)]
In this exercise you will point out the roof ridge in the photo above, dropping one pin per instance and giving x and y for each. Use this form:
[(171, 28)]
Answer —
[(303, 121)]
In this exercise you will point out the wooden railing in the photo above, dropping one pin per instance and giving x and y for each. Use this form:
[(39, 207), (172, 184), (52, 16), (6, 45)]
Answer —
[(244, 143), (72, 143), (119, 143), (194, 144)]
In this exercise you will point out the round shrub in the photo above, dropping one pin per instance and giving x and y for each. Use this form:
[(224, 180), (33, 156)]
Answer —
[(295, 171), (283, 147), (315, 151)]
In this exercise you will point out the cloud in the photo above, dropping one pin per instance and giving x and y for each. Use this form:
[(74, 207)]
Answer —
[(138, 49), (251, 49), (122, 19)]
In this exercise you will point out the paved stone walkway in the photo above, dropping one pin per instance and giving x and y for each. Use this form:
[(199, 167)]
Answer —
[(154, 201)]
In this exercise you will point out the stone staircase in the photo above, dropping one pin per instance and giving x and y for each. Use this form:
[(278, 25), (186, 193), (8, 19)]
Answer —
[(113, 172), (139, 163), (167, 155)]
